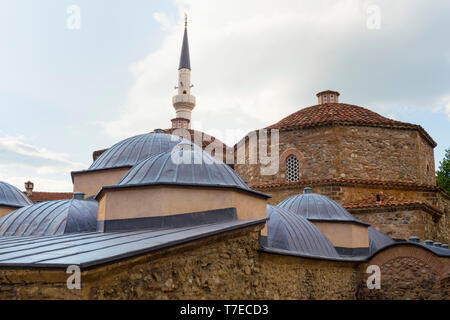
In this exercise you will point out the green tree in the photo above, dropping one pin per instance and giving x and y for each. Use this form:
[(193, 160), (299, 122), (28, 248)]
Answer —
[(443, 174)]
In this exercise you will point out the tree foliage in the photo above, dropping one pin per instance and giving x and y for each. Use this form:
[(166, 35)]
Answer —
[(443, 174)]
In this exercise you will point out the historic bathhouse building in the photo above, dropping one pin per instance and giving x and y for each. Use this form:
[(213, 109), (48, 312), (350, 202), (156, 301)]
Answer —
[(166, 215)]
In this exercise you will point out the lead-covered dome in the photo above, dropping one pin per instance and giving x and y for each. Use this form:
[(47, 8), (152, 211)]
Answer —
[(51, 218), (289, 231), (317, 207), (10, 196), (135, 149), (187, 164)]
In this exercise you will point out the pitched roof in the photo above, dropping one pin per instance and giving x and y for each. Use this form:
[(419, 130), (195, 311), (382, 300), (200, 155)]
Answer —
[(342, 114), (38, 196)]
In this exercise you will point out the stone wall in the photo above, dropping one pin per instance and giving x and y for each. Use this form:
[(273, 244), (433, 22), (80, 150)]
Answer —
[(227, 266), (350, 152), (408, 272), (401, 224)]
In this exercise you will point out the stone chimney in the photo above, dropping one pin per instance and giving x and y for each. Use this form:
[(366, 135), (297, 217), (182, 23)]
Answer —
[(328, 96), (29, 188)]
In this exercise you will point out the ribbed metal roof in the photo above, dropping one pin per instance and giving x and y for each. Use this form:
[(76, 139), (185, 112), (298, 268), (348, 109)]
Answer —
[(185, 61), (187, 164), (289, 231), (315, 206), (51, 218), (132, 150), (12, 197), (378, 240), (94, 248)]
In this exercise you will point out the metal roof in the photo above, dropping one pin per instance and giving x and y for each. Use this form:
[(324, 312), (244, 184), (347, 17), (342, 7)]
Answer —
[(12, 197), (377, 240), (90, 249), (185, 61), (187, 164), (315, 206), (289, 231), (51, 218), (131, 151)]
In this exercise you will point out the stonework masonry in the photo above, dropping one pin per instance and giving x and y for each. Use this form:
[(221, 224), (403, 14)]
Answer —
[(226, 266), (354, 152)]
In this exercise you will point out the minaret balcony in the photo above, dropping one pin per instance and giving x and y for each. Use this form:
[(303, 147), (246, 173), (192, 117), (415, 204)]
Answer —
[(183, 100)]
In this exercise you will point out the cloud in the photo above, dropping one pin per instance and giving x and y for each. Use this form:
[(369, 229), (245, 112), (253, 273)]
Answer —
[(254, 63), (48, 170)]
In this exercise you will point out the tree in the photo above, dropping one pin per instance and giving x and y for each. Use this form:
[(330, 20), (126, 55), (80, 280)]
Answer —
[(443, 174)]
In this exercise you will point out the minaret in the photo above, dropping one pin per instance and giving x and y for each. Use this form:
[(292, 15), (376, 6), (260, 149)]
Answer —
[(183, 102)]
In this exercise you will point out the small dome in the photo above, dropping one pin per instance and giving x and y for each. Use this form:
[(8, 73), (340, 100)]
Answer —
[(289, 231), (377, 240), (135, 149), (51, 218), (187, 164), (315, 206), (12, 197)]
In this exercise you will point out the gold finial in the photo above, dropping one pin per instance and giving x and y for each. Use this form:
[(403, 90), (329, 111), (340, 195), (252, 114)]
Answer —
[(185, 20)]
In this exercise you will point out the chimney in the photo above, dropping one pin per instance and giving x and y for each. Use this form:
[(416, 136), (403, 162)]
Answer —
[(414, 239), (78, 195), (428, 242), (328, 96), (307, 190), (29, 188)]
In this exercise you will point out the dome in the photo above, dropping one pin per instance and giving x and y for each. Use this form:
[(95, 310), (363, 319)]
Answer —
[(289, 231), (377, 240), (191, 166), (51, 218), (315, 206), (12, 197), (341, 113), (135, 149)]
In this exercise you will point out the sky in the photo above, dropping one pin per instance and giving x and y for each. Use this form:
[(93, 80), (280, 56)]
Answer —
[(78, 76)]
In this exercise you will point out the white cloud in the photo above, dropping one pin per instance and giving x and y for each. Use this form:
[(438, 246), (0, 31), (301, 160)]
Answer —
[(47, 169), (254, 63)]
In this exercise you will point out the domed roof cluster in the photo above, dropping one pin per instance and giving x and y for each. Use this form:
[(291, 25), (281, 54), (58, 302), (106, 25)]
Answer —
[(135, 149), (186, 164), (12, 197), (313, 206), (289, 231), (51, 218)]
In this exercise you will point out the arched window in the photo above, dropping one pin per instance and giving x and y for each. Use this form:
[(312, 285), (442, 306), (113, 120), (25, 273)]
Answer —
[(291, 168)]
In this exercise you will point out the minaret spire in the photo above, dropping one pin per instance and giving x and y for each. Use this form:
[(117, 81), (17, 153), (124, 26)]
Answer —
[(184, 102)]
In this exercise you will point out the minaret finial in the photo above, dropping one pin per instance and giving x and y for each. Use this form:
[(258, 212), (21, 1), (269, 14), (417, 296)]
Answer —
[(185, 20)]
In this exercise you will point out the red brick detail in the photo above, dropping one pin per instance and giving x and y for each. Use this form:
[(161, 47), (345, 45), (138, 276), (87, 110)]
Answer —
[(290, 152)]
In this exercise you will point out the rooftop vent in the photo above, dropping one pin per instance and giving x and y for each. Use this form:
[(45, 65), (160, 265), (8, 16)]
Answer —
[(328, 96), (158, 131), (445, 246), (78, 195), (437, 244), (428, 242), (307, 190), (414, 239)]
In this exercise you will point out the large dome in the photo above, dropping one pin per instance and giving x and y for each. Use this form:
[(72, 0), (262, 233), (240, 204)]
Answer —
[(51, 218), (341, 113), (187, 164), (289, 231), (133, 150), (12, 197), (315, 206)]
